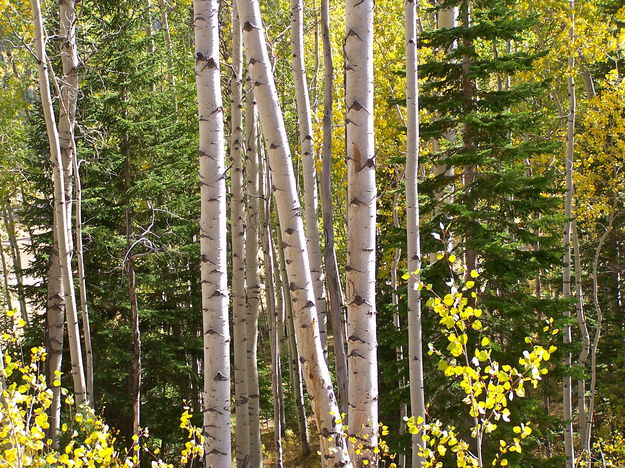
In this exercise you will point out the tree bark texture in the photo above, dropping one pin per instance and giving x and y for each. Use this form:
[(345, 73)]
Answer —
[(315, 369), (213, 240), (237, 216), (333, 282), (305, 130), (361, 229), (415, 343), (60, 203), (16, 257), (252, 289)]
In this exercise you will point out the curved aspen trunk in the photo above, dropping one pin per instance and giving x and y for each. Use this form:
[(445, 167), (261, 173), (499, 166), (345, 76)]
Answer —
[(213, 266), (316, 373), (252, 289), (304, 119), (73, 333), (16, 258), (361, 215), (567, 398), (238, 245), (415, 343)]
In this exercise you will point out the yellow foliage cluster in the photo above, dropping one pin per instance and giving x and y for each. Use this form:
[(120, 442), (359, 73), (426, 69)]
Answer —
[(87, 440), (487, 384)]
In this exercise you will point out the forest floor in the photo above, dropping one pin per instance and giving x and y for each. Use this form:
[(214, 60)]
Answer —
[(291, 448)]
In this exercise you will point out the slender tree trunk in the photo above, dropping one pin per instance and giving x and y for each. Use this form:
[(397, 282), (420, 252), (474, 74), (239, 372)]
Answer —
[(305, 130), (136, 336), (16, 258), (316, 373), (567, 416), (60, 209), (295, 369), (272, 311), (55, 320), (170, 74), (333, 282), (237, 216), (361, 229), (252, 289), (213, 234), (82, 285), (415, 343), (585, 351)]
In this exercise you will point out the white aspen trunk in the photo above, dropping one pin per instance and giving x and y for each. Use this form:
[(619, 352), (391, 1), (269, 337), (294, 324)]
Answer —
[(295, 369), (567, 398), (333, 282), (55, 320), (73, 333), (304, 119), (361, 229), (237, 215), (316, 373), (213, 232), (82, 284), (252, 289), (271, 309), (415, 343), (16, 258)]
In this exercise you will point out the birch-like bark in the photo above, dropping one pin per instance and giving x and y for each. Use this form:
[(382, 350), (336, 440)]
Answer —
[(82, 284), (333, 282), (415, 343), (55, 320), (213, 232), (567, 398), (73, 333), (362, 411), (16, 258), (271, 309), (295, 369), (252, 288), (304, 119), (237, 216), (316, 373)]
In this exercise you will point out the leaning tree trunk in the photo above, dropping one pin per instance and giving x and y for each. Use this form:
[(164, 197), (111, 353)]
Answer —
[(73, 332), (333, 281), (316, 373), (304, 120), (295, 370), (242, 449), (5, 279), (361, 228), (213, 234), (415, 343), (252, 289), (567, 398)]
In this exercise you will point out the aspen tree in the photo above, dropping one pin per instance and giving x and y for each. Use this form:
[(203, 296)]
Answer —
[(567, 397), (304, 120), (8, 303), (295, 369), (361, 227), (60, 211), (415, 343), (238, 245), (16, 257), (213, 234), (333, 282), (252, 287), (316, 373)]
